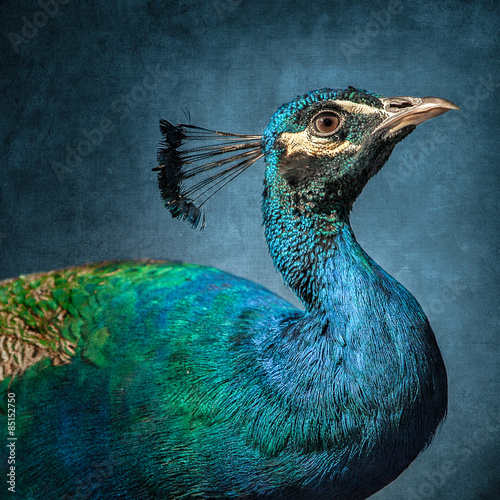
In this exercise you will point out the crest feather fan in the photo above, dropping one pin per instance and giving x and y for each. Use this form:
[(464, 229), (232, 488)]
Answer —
[(225, 156)]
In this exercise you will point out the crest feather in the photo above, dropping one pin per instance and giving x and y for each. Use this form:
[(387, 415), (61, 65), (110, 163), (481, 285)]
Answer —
[(228, 154)]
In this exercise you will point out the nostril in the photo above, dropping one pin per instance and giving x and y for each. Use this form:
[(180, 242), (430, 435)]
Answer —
[(398, 104)]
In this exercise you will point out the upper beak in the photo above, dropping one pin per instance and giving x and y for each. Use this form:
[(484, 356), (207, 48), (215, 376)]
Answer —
[(404, 111)]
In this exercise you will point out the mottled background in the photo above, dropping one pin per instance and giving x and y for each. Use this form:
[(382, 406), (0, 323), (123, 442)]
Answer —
[(105, 72)]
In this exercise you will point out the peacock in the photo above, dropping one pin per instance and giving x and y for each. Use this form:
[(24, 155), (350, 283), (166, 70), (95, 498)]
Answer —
[(162, 380)]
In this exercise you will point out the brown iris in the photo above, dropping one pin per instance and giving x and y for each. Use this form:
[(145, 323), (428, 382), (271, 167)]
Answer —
[(326, 123)]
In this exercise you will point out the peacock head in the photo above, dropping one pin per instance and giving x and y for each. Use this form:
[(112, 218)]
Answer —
[(323, 147), (320, 151)]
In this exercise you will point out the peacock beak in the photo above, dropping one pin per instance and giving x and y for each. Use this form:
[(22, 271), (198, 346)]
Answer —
[(404, 111)]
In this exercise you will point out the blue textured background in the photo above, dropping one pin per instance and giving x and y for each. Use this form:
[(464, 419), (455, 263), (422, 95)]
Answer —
[(109, 70)]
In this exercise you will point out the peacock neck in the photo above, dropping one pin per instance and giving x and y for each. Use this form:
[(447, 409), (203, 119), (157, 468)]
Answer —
[(307, 249), (351, 303), (322, 262)]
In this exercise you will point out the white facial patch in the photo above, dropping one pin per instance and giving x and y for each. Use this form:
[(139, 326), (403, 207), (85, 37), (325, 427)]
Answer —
[(304, 142), (356, 107)]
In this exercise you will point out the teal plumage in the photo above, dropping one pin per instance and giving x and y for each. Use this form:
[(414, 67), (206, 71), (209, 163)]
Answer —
[(159, 380)]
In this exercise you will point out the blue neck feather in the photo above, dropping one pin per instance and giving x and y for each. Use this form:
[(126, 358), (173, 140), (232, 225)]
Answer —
[(346, 295), (377, 353)]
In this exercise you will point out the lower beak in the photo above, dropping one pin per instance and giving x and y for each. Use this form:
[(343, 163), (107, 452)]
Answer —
[(405, 111)]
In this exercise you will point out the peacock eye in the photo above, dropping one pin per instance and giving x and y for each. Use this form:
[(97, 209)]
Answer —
[(326, 124)]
